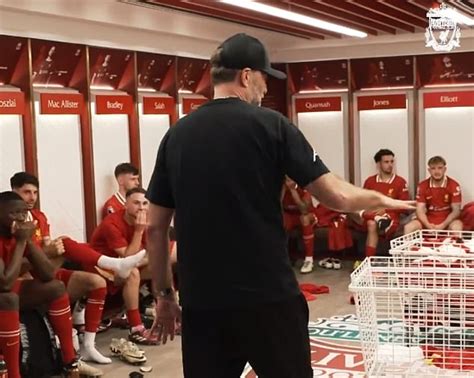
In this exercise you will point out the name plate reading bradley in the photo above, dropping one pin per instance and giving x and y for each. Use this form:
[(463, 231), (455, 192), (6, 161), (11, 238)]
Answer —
[(61, 103), (114, 104), (12, 103)]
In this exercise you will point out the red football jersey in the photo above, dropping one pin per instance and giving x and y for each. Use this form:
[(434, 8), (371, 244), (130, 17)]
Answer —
[(289, 204), (467, 216), (7, 246), (42, 227), (113, 233), (438, 200), (113, 204), (396, 187)]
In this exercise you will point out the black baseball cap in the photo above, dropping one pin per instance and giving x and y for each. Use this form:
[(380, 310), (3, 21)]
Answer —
[(243, 51)]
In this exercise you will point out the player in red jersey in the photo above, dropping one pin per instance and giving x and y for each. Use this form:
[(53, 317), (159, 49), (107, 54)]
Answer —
[(78, 283), (297, 213), (467, 216), (17, 241), (127, 177), (438, 200), (123, 233), (383, 222)]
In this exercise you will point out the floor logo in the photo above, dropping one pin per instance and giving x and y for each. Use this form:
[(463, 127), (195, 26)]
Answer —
[(330, 359)]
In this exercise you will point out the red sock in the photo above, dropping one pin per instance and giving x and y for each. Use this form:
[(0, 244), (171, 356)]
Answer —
[(308, 240), (60, 317), (134, 318), (10, 341), (370, 251), (94, 308), (80, 253)]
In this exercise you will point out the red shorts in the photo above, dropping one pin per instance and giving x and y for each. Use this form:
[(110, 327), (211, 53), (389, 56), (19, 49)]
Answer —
[(64, 275), (436, 218), (112, 289)]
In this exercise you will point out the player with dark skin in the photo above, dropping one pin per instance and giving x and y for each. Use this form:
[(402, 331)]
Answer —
[(16, 233)]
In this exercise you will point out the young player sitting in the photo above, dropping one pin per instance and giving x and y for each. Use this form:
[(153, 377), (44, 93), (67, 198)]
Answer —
[(17, 241), (297, 213), (123, 234), (127, 177), (382, 223), (78, 283), (438, 200)]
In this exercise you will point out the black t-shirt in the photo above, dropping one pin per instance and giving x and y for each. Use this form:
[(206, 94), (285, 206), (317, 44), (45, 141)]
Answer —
[(222, 169)]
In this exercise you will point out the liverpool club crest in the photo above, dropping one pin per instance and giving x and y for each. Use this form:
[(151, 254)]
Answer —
[(443, 32)]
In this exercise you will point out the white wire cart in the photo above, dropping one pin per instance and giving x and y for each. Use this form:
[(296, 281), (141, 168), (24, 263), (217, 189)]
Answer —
[(425, 292)]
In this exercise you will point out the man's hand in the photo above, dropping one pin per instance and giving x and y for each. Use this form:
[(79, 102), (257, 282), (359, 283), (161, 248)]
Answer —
[(23, 231), (440, 226), (141, 221), (168, 316), (390, 203), (290, 184), (54, 248)]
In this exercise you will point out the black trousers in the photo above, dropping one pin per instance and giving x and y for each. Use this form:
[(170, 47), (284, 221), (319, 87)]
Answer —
[(272, 337)]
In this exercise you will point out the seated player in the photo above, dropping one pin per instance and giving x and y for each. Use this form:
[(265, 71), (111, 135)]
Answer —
[(78, 283), (382, 223), (121, 234), (297, 213), (467, 216), (438, 200), (17, 241), (127, 177)]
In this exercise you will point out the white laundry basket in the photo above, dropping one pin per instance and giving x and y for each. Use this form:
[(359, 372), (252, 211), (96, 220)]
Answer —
[(429, 304)]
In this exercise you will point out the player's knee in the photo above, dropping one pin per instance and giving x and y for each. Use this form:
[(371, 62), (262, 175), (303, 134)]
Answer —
[(455, 225), (371, 226), (56, 288), (134, 276), (8, 301), (304, 219), (95, 281)]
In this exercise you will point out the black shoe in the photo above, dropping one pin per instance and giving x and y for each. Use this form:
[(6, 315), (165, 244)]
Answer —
[(383, 224)]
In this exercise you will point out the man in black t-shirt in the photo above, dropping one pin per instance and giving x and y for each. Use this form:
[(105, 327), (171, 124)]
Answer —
[(227, 160)]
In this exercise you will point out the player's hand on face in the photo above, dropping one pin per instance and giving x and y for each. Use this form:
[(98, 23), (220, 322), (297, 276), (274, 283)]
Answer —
[(23, 231), (141, 221)]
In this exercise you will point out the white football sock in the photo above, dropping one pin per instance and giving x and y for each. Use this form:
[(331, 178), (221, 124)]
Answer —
[(121, 266), (90, 353)]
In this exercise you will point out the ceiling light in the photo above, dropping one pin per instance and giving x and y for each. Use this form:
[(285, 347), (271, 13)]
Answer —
[(295, 17)]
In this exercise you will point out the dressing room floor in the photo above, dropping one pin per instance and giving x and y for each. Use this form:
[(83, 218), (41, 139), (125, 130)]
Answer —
[(166, 360)]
